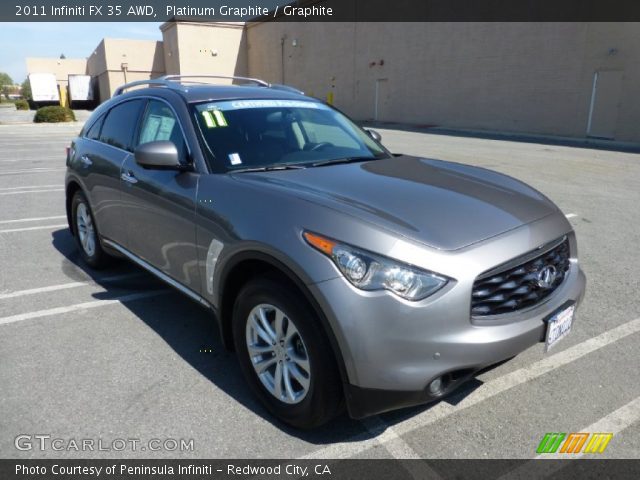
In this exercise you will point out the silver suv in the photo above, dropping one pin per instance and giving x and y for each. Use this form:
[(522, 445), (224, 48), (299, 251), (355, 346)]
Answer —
[(340, 274)]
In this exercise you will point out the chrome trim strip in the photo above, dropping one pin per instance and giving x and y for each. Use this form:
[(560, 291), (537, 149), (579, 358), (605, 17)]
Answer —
[(538, 252), (158, 273)]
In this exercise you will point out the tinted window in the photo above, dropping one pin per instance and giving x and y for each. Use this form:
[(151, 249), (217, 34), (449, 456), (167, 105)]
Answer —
[(160, 123), (94, 131), (120, 124)]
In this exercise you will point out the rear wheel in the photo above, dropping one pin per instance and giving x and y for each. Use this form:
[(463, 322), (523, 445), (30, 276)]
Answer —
[(86, 233), (285, 355)]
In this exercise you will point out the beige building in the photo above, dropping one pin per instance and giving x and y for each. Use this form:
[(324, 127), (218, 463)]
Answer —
[(562, 79)]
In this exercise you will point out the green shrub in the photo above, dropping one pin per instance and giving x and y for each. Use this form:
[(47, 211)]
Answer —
[(54, 114), (22, 105)]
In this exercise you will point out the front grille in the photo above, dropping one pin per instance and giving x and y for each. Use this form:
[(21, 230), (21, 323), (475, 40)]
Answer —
[(521, 283)]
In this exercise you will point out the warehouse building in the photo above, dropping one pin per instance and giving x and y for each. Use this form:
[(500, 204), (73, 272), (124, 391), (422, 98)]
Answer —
[(561, 79)]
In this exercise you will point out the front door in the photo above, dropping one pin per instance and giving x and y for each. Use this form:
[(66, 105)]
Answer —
[(160, 204)]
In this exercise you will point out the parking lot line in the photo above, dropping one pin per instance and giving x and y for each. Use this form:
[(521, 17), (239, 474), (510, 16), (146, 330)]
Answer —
[(484, 392), (65, 286), (33, 219), (32, 170), (26, 229), (33, 191), (571, 215), (79, 306), (26, 187)]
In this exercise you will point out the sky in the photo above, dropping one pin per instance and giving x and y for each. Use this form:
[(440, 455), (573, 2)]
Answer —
[(75, 40)]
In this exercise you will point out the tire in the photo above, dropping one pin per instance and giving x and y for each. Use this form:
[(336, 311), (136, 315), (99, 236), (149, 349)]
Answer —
[(317, 397), (86, 233)]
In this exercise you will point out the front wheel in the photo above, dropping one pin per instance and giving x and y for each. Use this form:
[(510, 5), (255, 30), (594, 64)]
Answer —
[(285, 355)]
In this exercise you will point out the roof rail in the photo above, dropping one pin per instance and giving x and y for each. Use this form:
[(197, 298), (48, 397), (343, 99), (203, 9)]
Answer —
[(174, 81), (154, 82), (226, 77)]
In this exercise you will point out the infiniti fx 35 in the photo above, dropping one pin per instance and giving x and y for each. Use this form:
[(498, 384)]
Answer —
[(342, 275)]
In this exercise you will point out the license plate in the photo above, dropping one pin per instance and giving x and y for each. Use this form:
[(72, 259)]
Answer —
[(559, 326)]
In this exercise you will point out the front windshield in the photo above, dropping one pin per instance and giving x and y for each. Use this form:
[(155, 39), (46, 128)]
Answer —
[(246, 134)]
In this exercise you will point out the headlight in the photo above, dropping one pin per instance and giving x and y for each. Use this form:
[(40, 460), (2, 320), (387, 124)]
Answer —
[(369, 271)]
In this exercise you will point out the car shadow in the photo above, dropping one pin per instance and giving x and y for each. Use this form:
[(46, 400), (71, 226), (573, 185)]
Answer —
[(191, 332)]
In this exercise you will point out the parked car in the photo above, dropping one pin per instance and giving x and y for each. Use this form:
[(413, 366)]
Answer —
[(341, 274)]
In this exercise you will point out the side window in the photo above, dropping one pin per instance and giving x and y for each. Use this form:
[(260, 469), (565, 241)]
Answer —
[(94, 131), (160, 123), (120, 124)]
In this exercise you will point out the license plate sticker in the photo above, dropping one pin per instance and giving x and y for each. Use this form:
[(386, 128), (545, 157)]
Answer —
[(559, 326)]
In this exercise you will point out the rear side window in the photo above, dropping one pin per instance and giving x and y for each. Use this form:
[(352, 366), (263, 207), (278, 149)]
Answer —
[(120, 124), (94, 131)]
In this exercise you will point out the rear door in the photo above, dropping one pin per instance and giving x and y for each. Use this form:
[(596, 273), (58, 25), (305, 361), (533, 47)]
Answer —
[(100, 157), (160, 204)]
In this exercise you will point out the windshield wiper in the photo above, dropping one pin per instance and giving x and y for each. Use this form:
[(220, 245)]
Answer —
[(336, 161), (269, 168)]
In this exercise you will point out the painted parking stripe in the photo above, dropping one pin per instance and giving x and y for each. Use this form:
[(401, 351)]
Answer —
[(31, 170), (80, 306), (66, 286), (571, 215), (34, 159), (360, 443), (27, 229), (32, 191), (28, 187), (33, 219)]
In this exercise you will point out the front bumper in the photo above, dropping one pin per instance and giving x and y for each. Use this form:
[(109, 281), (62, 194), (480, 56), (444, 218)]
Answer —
[(392, 349)]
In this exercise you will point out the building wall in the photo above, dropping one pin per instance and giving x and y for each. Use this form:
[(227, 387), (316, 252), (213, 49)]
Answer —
[(118, 61), (205, 48), (60, 67), (516, 77)]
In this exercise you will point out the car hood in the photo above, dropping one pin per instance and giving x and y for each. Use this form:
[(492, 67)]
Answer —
[(444, 205)]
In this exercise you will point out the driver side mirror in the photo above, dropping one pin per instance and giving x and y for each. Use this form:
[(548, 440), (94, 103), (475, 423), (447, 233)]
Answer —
[(373, 134), (159, 154)]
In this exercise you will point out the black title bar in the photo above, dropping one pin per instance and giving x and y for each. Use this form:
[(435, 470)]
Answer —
[(321, 10)]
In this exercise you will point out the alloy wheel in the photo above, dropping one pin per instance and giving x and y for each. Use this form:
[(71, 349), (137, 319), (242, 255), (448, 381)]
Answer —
[(86, 232), (278, 353)]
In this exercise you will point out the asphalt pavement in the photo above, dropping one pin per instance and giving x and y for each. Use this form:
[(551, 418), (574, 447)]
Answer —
[(117, 355)]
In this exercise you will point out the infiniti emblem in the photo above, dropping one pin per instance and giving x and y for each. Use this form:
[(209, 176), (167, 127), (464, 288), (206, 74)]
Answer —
[(546, 277)]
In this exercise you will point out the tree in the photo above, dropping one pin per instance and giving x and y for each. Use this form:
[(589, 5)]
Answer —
[(5, 79), (5, 82), (26, 89)]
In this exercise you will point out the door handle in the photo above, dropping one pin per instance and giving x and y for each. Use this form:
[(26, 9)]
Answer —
[(128, 177)]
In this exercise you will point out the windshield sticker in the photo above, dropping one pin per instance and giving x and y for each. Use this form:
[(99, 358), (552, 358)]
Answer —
[(235, 159), (245, 104), (220, 118), (208, 119)]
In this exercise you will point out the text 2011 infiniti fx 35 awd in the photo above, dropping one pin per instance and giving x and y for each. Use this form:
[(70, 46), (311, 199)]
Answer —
[(340, 274)]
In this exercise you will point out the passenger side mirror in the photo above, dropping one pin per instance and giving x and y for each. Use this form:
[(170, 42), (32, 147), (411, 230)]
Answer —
[(373, 134), (159, 154)]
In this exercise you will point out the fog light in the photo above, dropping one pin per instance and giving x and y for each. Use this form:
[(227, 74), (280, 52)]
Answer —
[(435, 387)]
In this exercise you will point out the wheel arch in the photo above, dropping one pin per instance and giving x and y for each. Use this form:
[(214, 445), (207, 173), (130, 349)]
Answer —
[(249, 264), (72, 187)]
